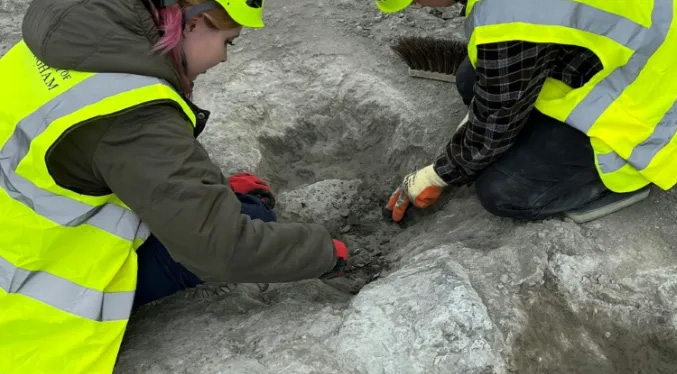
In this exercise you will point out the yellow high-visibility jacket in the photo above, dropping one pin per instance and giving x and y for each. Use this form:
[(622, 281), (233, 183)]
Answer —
[(68, 264), (629, 109)]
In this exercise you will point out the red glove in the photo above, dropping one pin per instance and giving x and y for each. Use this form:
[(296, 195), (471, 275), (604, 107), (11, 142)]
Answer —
[(341, 260), (250, 184)]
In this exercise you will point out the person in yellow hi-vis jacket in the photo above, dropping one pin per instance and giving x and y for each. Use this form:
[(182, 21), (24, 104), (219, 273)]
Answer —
[(571, 108), (107, 200)]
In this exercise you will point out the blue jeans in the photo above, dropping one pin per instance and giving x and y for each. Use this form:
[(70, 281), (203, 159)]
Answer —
[(160, 276)]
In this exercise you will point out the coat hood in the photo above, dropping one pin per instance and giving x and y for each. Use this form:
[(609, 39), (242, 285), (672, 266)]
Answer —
[(96, 36)]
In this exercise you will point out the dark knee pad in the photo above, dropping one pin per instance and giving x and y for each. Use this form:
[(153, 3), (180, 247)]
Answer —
[(501, 197), (465, 81), (489, 195)]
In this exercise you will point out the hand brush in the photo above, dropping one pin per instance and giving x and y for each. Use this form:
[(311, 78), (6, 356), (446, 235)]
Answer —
[(431, 58)]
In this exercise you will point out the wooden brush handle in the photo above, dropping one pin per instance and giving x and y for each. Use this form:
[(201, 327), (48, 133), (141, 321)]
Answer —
[(432, 75)]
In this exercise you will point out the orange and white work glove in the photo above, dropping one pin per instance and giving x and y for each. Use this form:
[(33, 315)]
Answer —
[(423, 188)]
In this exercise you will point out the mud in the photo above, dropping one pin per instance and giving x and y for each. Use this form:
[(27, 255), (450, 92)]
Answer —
[(557, 339), (330, 172)]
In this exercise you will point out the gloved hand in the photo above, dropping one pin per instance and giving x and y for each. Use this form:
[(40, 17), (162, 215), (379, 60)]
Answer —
[(249, 184), (341, 261), (423, 188)]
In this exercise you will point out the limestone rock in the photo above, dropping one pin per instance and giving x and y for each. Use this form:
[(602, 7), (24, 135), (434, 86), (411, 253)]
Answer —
[(423, 318)]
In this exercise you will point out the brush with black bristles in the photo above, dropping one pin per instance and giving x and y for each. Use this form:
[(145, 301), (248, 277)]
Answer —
[(431, 58)]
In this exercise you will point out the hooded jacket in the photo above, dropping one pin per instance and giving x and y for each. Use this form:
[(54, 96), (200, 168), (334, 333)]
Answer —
[(152, 161)]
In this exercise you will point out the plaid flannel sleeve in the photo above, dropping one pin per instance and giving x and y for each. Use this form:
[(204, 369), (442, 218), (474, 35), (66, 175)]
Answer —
[(509, 78)]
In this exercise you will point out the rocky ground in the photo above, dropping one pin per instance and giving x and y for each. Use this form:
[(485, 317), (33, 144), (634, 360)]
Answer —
[(318, 105)]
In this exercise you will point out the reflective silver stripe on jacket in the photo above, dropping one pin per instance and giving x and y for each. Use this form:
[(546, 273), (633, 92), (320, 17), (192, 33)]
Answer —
[(645, 42), (556, 13), (65, 295), (51, 289), (60, 209)]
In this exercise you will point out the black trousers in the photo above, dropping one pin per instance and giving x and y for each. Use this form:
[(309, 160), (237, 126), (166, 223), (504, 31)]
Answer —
[(160, 276), (549, 170)]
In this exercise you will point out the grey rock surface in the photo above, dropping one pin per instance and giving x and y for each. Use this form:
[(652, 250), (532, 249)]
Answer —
[(423, 318), (328, 202), (11, 14), (318, 105)]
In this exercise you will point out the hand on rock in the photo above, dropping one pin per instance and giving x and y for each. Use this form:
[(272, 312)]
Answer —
[(423, 188), (250, 184), (341, 260)]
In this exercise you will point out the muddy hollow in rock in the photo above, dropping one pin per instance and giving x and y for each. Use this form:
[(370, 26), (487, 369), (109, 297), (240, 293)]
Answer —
[(557, 339), (332, 172)]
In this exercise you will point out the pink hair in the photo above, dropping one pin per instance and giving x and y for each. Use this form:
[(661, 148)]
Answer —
[(170, 22)]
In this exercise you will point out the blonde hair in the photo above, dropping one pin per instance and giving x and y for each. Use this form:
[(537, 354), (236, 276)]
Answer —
[(169, 21)]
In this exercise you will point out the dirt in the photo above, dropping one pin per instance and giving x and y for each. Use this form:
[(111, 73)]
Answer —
[(558, 340)]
